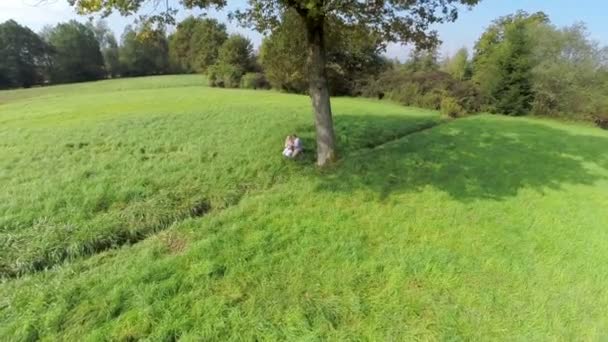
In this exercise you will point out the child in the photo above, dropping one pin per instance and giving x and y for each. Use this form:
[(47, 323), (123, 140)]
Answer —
[(297, 146), (289, 147)]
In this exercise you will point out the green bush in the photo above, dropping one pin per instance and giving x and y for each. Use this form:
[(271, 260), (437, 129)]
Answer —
[(225, 75), (407, 95), (234, 59), (431, 100), (451, 108), (254, 80), (425, 89)]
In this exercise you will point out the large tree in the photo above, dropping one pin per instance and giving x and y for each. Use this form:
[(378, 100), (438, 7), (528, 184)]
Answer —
[(394, 20), (195, 44), (109, 46), (77, 56), (22, 55), (458, 65), (570, 74), (143, 52), (235, 58), (353, 56), (503, 63)]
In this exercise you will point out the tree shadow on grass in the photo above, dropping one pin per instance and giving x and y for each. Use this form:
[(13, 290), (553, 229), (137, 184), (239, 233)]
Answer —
[(474, 158), (358, 132)]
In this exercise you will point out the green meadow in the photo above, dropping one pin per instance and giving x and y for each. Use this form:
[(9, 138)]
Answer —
[(158, 208)]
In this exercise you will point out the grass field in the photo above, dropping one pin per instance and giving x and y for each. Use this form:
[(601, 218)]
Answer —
[(481, 228)]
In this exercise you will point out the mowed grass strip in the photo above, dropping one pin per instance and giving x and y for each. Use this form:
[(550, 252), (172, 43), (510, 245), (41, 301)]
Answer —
[(485, 228), (93, 166)]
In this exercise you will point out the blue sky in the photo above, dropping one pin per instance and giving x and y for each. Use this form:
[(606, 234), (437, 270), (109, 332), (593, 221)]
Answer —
[(464, 32)]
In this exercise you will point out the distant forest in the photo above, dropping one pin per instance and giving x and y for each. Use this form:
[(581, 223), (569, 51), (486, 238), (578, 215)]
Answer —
[(522, 64)]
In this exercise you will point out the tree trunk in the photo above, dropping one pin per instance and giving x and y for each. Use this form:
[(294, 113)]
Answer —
[(319, 93)]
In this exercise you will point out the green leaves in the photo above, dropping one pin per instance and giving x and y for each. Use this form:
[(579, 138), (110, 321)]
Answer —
[(503, 62), (195, 43), (144, 51), (235, 58), (21, 56), (396, 20), (352, 53), (77, 54)]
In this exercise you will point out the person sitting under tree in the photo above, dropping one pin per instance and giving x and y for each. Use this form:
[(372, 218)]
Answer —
[(293, 146), (297, 146)]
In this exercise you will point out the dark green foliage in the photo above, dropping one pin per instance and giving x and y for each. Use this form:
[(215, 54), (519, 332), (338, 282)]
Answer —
[(22, 56), (109, 47), (425, 89), (513, 92), (111, 57), (459, 65), (503, 63), (450, 107), (236, 50), (523, 63), (570, 76), (235, 58), (392, 21), (195, 44), (254, 80), (353, 56), (144, 52), (76, 53), (225, 75), (281, 56)]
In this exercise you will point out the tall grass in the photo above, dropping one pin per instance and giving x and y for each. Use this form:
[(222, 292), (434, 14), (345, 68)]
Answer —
[(86, 170), (484, 228)]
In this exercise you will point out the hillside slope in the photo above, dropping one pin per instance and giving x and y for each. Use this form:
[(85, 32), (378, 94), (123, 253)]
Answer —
[(85, 169), (480, 228)]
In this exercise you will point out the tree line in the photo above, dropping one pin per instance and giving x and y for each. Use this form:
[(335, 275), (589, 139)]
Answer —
[(76, 52), (521, 64)]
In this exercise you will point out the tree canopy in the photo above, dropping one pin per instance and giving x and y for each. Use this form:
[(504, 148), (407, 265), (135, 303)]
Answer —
[(458, 65), (77, 56), (140, 56), (570, 73), (235, 58), (194, 45), (353, 56), (108, 45), (22, 55)]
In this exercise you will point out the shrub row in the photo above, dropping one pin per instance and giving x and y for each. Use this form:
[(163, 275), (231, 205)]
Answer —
[(427, 89)]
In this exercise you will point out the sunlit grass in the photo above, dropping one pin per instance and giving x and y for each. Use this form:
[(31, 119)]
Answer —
[(481, 228), (84, 171)]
